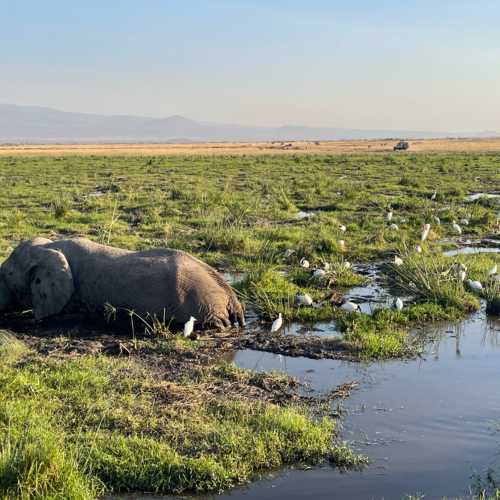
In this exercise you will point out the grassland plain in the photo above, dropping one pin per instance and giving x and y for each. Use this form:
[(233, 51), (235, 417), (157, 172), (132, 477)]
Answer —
[(171, 416)]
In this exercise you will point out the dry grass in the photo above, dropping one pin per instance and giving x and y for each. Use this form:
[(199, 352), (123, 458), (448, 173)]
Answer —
[(258, 148)]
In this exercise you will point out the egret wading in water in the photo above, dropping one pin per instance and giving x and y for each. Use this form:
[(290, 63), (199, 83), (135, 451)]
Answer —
[(350, 306), (189, 327), (456, 228), (398, 304), (425, 232), (277, 323)]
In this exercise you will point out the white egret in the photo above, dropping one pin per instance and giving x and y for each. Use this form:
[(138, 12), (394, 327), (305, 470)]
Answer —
[(418, 249), (398, 261), (326, 266), (389, 215), (189, 326), (464, 222), (425, 232), (343, 228), (437, 220), (277, 323), (462, 275), (342, 243), (474, 285), (394, 227), (304, 215), (398, 304), (304, 299), (456, 228), (346, 265), (289, 252), (493, 270), (304, 263), (350, 306), (434, 194), (319, 273)]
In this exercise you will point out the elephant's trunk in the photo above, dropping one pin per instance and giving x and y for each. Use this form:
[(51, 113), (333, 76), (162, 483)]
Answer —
[(6, 297)]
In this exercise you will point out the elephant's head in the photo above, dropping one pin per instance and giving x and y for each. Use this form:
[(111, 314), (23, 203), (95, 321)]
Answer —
[(36, 277)]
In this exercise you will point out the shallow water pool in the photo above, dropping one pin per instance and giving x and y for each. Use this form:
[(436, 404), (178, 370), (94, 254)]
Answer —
[(427, 424)]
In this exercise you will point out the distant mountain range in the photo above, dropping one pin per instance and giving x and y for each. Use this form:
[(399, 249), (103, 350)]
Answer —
[(33, 124)]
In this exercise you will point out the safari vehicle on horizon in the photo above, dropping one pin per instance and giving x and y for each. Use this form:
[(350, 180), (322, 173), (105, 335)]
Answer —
[(401, 146)]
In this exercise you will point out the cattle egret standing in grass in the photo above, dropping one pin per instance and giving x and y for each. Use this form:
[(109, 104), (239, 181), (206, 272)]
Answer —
[(289, 252), (319, 273), (343, 228), (304, 299), (437, 220), (189, 327), (398, 304), (456, 228), (277, 323), (493, 270), (389, 215), (393, 227), (350, 306), (398, 261), (425, 232), (461, 275), (476, 286), (434, 194), (464, 222), (418, 249), (304, 263), (326, 266), (347, 265), (342, 244)]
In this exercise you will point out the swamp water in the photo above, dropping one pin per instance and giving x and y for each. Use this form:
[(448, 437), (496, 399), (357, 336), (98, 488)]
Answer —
[(428, 425)]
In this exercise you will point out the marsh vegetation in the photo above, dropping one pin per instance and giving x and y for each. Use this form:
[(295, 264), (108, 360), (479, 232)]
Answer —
[(158, 413)]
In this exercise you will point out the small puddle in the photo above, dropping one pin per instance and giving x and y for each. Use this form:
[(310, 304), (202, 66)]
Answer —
[(479, 196), (426, 424), (470, 250)]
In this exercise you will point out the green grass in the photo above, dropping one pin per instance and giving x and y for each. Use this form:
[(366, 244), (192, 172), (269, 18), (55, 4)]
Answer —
[(79, 427)]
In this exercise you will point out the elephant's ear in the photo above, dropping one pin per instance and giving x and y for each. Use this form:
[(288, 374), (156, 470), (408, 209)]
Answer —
[(51, 283)]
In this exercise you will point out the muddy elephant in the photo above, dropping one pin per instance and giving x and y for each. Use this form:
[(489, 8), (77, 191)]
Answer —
[(52, 277)]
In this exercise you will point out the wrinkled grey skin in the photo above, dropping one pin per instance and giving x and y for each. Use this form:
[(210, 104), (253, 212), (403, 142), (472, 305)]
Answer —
[(48, 276)]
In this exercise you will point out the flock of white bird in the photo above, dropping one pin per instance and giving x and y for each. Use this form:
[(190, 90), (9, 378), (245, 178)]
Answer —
[(305, 300)]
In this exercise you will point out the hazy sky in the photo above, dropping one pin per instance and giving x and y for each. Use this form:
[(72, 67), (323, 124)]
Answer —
[(429, 65)]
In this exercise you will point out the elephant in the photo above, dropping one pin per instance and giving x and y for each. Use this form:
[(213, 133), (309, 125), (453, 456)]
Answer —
[(53, 277)]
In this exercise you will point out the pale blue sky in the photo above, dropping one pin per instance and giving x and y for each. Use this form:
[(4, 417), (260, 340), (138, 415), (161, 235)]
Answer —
[(431, 65)]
